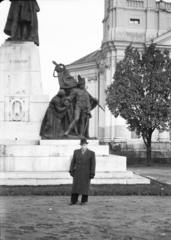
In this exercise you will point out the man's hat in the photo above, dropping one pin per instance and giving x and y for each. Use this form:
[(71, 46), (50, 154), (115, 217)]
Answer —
[(81, 80), (83, 141)]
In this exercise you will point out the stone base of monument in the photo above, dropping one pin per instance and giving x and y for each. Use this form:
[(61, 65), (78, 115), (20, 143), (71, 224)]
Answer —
[(27, 163), (22, 103)]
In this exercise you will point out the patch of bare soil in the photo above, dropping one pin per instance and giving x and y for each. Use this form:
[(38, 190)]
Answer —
[(114, 217)]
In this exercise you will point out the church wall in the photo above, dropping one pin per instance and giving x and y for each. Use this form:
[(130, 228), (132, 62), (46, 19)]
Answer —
[(118, 32), (153, 20), (136, 152), (153, 17)]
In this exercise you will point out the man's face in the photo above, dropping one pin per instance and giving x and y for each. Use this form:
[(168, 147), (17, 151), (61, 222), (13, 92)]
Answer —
[(84, 146)]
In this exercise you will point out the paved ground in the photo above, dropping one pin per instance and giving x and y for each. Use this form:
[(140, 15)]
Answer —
[(51, 218), (162, 174)]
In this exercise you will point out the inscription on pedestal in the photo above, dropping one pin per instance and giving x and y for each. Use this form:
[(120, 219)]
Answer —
[(19, 61)]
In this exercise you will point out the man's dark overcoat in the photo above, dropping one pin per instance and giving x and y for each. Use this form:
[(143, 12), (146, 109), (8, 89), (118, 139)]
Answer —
[(83, 165)]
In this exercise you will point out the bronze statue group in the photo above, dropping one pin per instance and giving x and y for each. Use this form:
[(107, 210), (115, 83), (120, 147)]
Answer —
[(68, 114)]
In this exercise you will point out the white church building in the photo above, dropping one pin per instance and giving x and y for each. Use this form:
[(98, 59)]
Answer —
[(125, 21)]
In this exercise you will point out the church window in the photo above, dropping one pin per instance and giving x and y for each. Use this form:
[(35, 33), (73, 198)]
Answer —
[(134, 21)]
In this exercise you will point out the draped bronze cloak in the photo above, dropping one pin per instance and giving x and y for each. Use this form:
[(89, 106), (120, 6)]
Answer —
[(23, 11), (53, 124)]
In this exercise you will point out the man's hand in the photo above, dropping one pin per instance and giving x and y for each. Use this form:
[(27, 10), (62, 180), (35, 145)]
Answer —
[(91, 176), (89, 114)]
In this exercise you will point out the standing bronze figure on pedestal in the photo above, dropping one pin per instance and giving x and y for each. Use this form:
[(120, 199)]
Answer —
[(22, 22)]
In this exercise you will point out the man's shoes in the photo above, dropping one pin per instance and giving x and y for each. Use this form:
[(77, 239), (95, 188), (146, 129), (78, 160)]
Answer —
[(72, 203), (82, 203)]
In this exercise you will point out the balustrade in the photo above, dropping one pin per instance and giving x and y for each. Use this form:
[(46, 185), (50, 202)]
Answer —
[(135, 4)]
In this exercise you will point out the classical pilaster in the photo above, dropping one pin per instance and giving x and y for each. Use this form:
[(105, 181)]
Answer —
[(101, 98), (107, 130), (112, 71), (108, 52), (162, 23), (151, 31)]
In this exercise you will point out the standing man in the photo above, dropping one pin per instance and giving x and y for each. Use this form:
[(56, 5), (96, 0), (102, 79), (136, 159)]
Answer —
[(82, 170)]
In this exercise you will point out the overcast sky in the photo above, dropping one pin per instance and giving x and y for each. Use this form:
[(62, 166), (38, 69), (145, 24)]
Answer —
[(68, 30)]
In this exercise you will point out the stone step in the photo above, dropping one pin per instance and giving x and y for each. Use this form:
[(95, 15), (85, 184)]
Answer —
[(61, 142), (134, 180), (19, 142), (57, 181), (48, 151), (44, 164), (61, 175)]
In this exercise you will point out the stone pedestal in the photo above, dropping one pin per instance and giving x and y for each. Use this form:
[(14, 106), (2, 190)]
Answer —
[(22, 103), (24, 158), (48, 164)]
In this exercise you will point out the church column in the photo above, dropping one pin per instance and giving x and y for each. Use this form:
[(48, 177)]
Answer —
[(112, 71), (107, 130), (108, 80), (101, 98)]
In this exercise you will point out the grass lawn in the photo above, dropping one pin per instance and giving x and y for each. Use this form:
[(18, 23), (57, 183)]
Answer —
[(153, 189), (159, 173)]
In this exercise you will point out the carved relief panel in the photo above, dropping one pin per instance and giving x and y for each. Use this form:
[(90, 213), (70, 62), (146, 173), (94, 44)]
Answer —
[(16, 108)]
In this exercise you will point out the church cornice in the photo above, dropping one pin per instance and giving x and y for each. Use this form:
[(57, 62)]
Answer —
[(114, 45), (87, 65), (158, 40), (107, 46)]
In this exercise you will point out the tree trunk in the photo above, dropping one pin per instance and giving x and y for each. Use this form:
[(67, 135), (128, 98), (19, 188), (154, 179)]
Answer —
[(148, 158), (147, 142)]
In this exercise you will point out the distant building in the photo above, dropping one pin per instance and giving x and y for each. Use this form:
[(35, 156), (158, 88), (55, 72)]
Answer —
[(125, 22)]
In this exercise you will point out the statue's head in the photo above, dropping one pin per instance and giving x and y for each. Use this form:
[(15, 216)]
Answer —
[(67, 101), (59, 67), (61, 93), (81, 82)]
